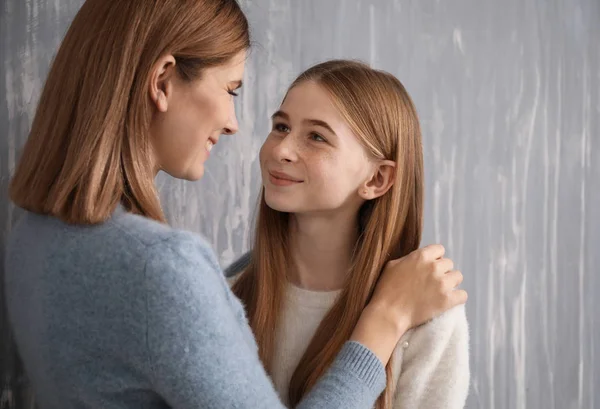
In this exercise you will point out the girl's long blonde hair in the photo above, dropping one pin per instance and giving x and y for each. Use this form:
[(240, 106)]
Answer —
[(382, 115)]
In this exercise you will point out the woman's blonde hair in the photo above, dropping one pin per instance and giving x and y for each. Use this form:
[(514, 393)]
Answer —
[(89, 146), (382, 115)]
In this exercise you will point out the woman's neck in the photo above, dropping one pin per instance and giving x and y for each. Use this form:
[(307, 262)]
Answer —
[(321, 248)]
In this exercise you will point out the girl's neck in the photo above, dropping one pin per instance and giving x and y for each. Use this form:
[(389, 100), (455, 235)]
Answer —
[(321, 248)]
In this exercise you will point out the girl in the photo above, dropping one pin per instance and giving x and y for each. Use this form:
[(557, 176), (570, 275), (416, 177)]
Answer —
[(342, 194), (110, 307)]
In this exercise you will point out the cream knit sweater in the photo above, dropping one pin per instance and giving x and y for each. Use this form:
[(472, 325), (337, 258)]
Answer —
[(431, 363)]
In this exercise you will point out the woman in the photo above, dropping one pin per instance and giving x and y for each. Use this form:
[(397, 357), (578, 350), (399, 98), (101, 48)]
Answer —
[(110, 307), (342, 177)]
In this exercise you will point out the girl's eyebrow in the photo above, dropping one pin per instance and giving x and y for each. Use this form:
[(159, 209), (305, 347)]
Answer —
[(318, 122)]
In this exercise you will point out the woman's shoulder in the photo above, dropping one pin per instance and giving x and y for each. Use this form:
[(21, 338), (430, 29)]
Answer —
[(147, 231), (155, 237), (167, 253), (122, 240)]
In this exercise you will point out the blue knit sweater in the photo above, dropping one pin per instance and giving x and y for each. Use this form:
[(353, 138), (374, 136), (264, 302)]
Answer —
[(133, 314)]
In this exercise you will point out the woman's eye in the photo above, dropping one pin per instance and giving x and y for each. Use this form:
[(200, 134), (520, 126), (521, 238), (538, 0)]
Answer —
[(317, 138), (281, 128), (235, 94)]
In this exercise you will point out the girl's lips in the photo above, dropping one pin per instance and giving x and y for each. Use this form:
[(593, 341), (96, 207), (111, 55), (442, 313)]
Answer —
[(282, 179)]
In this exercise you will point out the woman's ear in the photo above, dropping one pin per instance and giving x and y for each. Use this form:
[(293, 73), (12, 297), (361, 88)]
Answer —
[(161, 82), (380, 182)]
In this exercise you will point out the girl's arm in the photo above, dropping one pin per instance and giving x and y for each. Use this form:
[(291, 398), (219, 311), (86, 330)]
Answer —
[(435, 364)]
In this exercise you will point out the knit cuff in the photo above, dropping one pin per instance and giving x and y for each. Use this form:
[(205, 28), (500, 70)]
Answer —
[(359, 360)]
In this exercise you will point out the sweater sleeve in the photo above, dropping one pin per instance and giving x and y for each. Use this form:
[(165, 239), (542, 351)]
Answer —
[(435, 367), (201, 356)]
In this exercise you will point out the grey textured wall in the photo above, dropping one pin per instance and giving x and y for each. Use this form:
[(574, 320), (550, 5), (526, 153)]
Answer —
[(509, 97)]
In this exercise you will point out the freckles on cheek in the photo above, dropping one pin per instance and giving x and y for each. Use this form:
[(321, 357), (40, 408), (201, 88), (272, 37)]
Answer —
[(325, 175)]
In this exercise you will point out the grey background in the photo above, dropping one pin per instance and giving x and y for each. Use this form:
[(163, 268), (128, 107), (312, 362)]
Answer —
[(508, 95)]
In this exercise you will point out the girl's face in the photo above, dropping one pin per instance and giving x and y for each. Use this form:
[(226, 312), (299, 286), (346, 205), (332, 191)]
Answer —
[(190, 116), (312, 162)]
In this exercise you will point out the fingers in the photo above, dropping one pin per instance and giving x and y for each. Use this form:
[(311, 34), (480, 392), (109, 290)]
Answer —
[(434, 251), (454, 278), (457, 297), (443, 265)]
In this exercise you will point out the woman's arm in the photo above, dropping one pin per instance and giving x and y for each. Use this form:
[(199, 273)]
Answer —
[(410, 291), (435, 365), (201, 356)]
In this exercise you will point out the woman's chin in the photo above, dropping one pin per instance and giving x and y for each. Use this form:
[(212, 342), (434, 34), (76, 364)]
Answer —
[(196, 174), (192, 173)]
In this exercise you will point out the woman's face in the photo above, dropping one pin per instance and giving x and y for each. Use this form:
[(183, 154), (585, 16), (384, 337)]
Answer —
[(190, 116), (312, 161)]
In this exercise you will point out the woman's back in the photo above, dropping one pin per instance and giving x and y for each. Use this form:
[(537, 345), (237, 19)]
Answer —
[(96, 311)]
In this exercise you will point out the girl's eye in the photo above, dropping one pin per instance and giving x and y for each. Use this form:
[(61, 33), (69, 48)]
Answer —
[(235, 94), (317, 138), (281, 127)]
